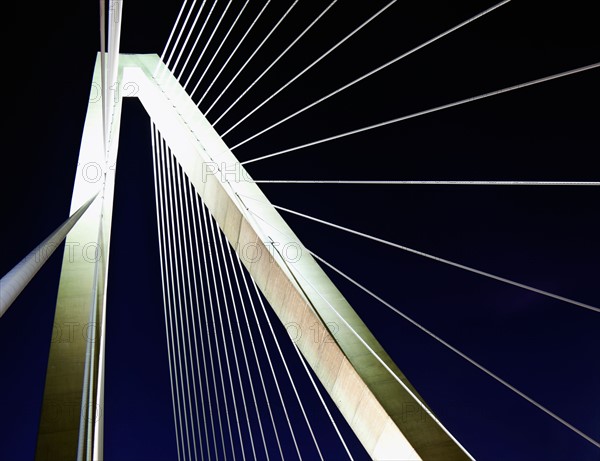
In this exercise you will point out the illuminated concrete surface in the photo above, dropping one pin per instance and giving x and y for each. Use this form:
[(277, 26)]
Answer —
[(389, 417), (80, 302)]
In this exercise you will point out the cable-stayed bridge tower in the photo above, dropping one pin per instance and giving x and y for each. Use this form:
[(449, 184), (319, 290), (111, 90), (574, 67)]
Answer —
[(381, 406), (373, 400)]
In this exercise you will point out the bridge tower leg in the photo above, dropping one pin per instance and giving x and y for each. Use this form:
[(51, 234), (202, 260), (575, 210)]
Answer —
[(71, 418)]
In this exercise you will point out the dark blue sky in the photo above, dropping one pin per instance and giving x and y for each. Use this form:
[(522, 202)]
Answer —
[(545, 237)]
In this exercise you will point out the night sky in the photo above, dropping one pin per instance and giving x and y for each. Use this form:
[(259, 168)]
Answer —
[(546, 237)]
